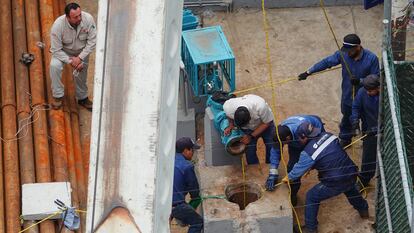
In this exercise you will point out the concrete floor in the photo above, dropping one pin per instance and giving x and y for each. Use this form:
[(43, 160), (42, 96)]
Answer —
[(299, 37)]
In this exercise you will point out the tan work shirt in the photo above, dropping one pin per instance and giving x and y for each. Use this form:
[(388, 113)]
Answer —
[(67, 41)]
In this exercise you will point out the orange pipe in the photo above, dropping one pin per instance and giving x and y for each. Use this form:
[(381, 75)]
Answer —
[(56, 8), (2, 225), (41, 141), (25, 136), (69, 141), (76, 148), (11, 158), (86, 144), (56, 117)]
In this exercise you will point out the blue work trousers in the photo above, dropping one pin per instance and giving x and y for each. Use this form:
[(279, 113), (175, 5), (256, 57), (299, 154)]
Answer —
[(294, 154), (345, 127), (267, 136), (322, 192), (187, 215), (369, 159)]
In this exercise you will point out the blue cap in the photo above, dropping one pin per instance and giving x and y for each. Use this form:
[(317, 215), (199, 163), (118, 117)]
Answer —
[(185, 143), (306, 129)]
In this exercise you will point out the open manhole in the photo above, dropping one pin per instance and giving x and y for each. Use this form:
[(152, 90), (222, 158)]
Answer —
[(243, 193), (235, 147)]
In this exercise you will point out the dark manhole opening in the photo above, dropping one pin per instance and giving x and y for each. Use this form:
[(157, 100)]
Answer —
[(243, 193)]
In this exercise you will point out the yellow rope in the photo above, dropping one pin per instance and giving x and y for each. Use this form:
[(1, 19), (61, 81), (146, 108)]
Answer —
[(47, 218), (244, 181), (269, 84), (363, 190), (269, 63), (355, 141)]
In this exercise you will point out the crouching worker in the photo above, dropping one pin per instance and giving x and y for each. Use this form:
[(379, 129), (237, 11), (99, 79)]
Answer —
[(185, 181), (254, 117), (287, 131), (337, 174)]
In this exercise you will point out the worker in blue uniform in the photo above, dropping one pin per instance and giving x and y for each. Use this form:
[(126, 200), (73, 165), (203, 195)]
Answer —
[(185, 181), (336, 171), (357, 63), (287, 133), (365, 107)]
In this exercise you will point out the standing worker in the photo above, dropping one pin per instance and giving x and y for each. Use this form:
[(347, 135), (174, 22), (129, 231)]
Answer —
[(287, 131), (185, 181), (336, 172), (357, 63), (254, 117), (365, 107), (73, 37)]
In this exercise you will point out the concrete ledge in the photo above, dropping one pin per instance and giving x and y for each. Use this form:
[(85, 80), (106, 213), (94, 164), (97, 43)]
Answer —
[(271, 213), (38, 199), (186, 124), (215, 153)]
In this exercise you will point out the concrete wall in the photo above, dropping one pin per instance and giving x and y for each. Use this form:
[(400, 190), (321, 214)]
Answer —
[(279, 3)]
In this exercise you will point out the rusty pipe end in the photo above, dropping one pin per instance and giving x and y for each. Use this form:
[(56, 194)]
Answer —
[(235, 146)]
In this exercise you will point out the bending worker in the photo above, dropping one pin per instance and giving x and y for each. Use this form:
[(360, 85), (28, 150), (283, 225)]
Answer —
[(254, 117), (357, 63), (365, 107), (185, 181), (336, 171), (73, 38), (287, 131)]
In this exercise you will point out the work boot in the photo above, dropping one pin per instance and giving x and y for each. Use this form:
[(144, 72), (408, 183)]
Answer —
[(86, 103), (304, 229), (57, 103), (364, 214), (344, 143)]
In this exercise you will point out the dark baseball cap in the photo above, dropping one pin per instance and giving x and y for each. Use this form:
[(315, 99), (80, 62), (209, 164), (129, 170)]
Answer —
[(350, 41), (185, 143), (371, 82), (283, 132), (306, 129)]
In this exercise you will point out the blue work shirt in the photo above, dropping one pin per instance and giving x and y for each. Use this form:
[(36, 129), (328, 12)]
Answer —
[(185, 180), (365, 107), (367, 64), (293, 122), (326, 155)]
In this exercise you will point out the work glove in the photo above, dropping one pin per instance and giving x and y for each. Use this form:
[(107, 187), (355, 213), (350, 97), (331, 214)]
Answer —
[(354, 81), (372, 132), (195, 202), (271, 182), (355, 129), (303, 76)]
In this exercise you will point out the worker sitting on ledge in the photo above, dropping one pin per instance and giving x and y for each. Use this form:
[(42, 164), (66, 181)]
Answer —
[(72, 38), (185, 181), (287, 132), (254, 117), (336, 171)]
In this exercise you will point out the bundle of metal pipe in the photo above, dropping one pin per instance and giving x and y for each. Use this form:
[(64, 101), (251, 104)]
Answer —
[(26, 154)]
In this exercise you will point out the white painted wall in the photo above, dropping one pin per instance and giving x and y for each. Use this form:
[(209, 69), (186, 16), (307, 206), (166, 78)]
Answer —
[(135, 112)]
